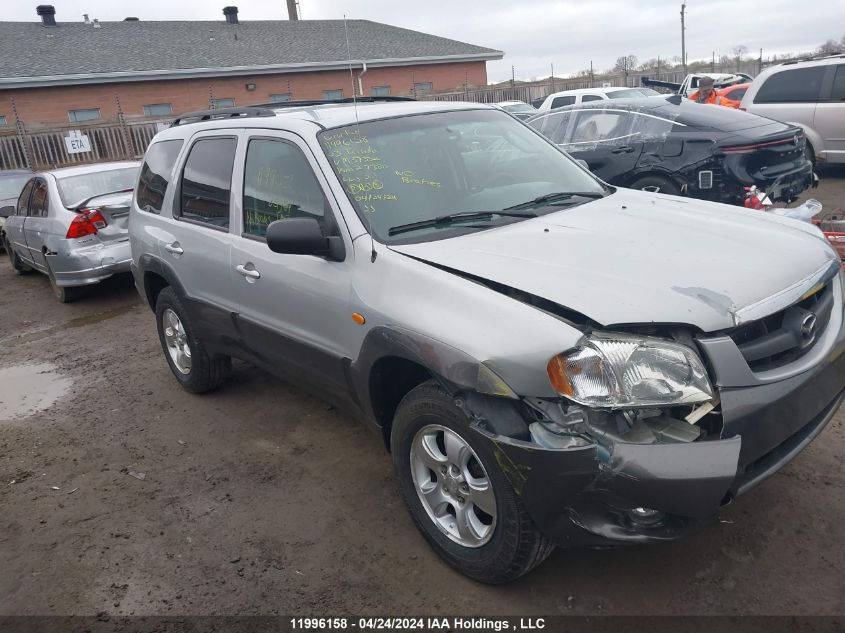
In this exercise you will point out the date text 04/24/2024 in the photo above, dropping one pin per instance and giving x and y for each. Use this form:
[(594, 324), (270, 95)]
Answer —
[(418, 624)]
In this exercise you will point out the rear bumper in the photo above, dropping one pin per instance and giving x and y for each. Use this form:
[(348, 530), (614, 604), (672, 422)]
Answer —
[(90, 264), (584, 496)]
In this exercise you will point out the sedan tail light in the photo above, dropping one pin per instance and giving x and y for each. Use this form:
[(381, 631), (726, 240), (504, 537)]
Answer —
[(86, 222), (753, 147)]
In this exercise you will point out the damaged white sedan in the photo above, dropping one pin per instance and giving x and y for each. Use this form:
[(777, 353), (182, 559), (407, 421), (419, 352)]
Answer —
[(551, 361)]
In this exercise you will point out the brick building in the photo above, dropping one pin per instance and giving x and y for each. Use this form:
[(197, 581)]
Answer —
[(61, 73)]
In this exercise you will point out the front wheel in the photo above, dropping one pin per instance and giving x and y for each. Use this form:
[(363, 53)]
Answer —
[(457, 495), (195, 369), (656, 184)]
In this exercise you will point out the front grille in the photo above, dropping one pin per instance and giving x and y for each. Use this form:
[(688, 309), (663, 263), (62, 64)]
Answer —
[(783, 337)]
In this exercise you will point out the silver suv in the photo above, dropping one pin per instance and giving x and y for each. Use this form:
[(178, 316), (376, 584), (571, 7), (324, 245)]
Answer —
[(810, 94), (549, 360)]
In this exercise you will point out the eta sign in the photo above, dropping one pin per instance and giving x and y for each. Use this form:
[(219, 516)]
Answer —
[(77, 142)]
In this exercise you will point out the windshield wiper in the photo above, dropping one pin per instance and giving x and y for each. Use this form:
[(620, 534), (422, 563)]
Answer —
[(556, 197), (452, 218)]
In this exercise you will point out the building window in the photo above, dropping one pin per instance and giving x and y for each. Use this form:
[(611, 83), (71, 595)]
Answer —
[(78, 116), (3, 121), (158, 109), (281, 98), (424, 86), (332, 95), (222, 103), (381, 91)]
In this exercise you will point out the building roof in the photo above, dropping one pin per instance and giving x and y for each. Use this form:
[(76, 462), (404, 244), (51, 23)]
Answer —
[(33, 55)]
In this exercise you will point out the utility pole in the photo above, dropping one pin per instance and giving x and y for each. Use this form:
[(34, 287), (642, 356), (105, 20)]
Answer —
[(713, 63), (553, 77), (760, 62), (293, 14), (592, 76), (683, 39), (513, 77)]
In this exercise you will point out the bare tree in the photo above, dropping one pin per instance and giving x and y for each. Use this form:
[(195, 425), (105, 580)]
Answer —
[(832, 47), (626, 63), (738, 51)]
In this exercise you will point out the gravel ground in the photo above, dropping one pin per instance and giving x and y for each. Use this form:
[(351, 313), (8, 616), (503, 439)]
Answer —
[(127, 495)]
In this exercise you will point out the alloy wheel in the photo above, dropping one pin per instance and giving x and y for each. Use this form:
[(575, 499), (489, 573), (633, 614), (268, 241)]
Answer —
[(177, 341), (453, 486)]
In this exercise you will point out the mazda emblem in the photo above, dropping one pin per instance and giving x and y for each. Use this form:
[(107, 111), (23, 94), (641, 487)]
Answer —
[(808, 330)]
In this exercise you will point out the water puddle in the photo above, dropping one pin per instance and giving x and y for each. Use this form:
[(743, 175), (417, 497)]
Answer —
[(28, 389), (82, 321)]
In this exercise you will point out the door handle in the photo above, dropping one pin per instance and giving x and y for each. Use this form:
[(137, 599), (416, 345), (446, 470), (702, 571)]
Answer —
[(249, 273), (174, 248), (622, 150)]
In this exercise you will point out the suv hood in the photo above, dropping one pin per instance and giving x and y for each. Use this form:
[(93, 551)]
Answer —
[(636, 257)]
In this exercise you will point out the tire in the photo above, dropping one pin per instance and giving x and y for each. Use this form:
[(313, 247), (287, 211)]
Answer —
[(17, 265), (64, 294), (198, 371), (656, 184), (506, 544)]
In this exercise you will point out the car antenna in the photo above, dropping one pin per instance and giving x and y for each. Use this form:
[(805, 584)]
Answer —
[(373, 253)]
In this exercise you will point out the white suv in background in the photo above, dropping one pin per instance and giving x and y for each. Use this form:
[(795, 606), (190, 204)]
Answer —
[(582, 95), (810, 94)]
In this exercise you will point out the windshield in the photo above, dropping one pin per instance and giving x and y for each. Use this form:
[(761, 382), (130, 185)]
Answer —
[(11, 186), (417, 168), (632, 93), (76, 189)]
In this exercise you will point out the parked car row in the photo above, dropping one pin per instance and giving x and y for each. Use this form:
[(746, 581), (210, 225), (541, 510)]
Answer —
[(502, 318)]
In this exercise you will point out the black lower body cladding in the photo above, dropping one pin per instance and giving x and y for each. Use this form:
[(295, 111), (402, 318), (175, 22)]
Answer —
[(588, 495)]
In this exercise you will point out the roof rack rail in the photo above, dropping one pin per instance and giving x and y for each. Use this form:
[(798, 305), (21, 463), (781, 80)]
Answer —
[(221, 113), (814, 58), (313, 102)]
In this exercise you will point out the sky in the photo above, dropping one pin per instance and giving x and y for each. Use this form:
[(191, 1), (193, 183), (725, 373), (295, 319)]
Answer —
[(532, 33)]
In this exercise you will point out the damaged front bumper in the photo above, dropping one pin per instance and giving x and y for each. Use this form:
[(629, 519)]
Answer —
[(611, 491)]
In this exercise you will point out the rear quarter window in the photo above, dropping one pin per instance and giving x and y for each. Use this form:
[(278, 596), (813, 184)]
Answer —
[(156, 174), (559, 102), (796, 85)]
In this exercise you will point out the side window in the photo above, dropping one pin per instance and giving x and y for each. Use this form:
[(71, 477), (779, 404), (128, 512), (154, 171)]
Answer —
[(38, 202), (559, 102), (554, 126), (599, 126), (23, 199), (155, 175), (839, 84), (278, 183), (207, 181), (586, 98), (791, 86)]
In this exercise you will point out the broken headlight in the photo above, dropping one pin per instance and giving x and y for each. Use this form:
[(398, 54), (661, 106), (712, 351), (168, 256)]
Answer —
[(620, 370)]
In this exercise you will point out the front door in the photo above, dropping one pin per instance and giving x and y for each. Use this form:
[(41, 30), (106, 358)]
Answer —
[(294, 310)]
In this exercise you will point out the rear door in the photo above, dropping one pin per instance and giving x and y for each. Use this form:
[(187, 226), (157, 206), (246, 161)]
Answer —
[(37, 226), (830, 116), (13, 227), (196, 241), (607, 140), (294, 310)]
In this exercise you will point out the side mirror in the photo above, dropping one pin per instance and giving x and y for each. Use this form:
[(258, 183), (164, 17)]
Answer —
[(583, 163), (303, 236), (5, 212)]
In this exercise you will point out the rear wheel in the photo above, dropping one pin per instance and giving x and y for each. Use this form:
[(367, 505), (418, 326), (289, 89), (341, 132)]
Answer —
[(458, 497), (195, 369), (656, 184), (64, 294), (17, 264)]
